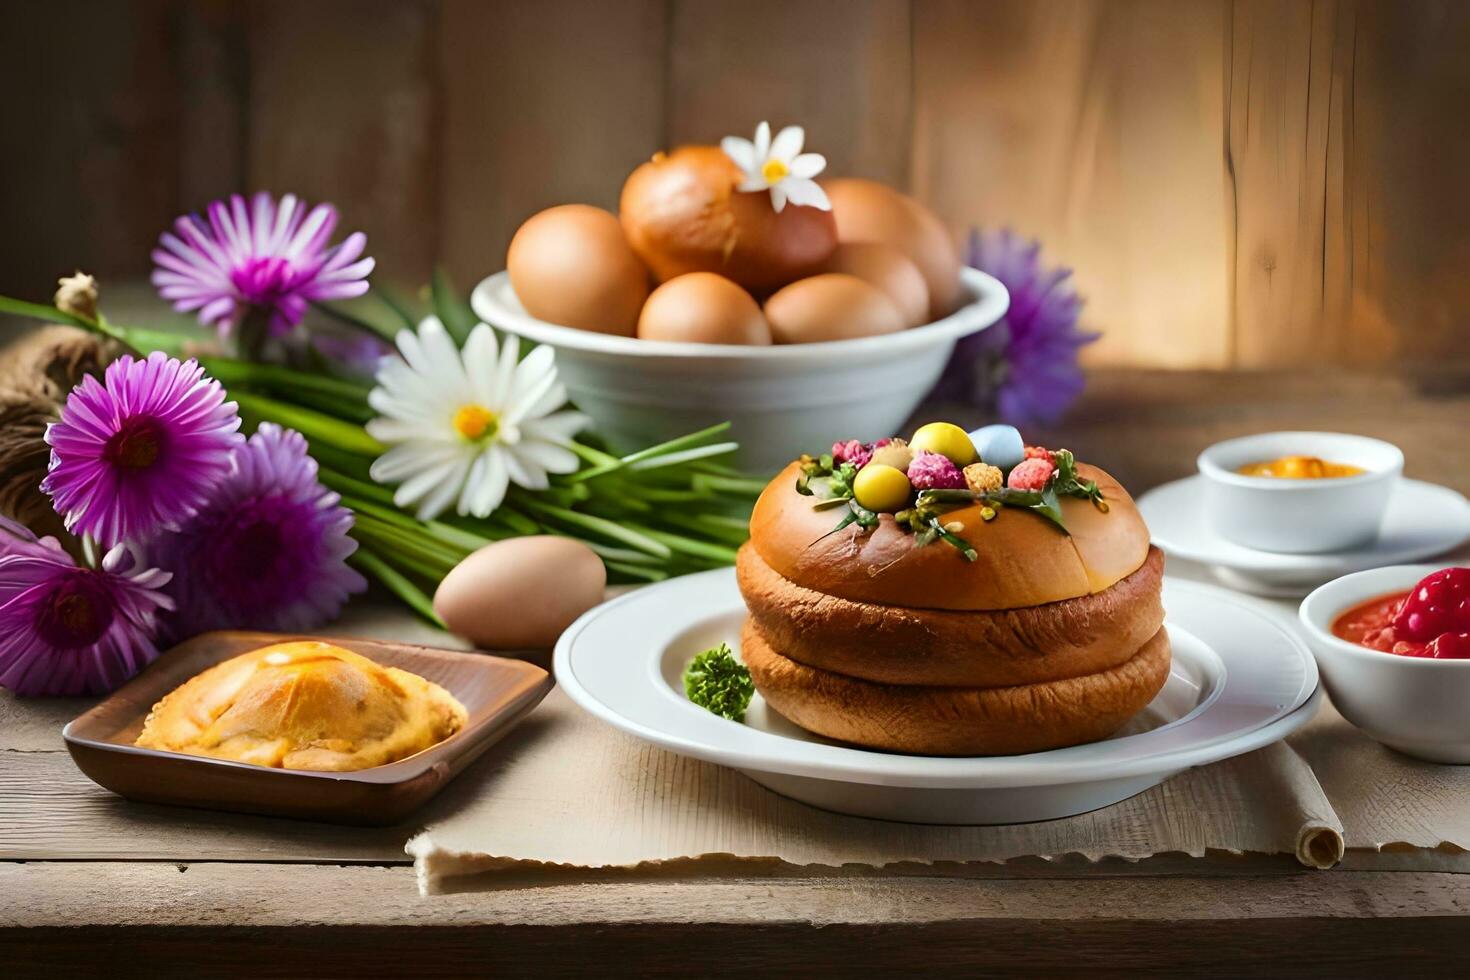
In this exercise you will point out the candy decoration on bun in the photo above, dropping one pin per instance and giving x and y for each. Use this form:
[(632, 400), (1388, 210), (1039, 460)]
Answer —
[(921, 481), (779, 166), (999, 445), (946, 439)]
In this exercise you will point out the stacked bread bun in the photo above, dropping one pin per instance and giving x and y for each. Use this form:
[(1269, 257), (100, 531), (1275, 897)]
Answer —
[(690, 257), (1047, 638)]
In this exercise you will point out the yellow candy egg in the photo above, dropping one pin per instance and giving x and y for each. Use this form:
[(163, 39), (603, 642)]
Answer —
[(880, 488), (946, 439)]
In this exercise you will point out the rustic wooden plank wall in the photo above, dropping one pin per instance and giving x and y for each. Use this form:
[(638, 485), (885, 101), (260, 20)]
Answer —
[(1236, 182)]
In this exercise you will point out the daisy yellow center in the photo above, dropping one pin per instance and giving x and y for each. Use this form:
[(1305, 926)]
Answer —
[(774, 170), (475, 422)]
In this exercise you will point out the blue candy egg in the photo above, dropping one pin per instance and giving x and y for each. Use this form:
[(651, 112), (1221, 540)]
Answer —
[(999, 445)]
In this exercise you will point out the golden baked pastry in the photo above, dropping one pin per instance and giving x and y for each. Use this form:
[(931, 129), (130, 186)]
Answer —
[(303, 705)]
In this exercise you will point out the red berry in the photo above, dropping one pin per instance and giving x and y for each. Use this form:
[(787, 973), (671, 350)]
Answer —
[(1449, 646), (1440, 603)]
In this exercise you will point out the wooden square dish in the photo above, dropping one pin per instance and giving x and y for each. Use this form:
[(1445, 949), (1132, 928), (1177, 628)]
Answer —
[(496, 693)]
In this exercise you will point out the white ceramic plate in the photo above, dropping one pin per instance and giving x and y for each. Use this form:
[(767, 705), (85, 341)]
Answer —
[(1240, 680), (1423, 520)]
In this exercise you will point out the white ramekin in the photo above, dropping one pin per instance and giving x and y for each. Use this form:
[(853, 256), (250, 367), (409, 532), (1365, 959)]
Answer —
[(784, 400), (1419, 707), (1299, 516)]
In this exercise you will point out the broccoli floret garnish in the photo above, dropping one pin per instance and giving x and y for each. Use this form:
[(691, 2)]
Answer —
[(719, 683)]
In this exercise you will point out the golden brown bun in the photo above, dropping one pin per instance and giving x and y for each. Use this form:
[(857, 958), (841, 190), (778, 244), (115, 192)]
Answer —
[(1023, 559), (682, 213), (957, 720), (303, 705), (1001, 648)]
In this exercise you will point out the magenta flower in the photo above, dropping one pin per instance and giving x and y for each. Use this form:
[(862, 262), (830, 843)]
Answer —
[(269, 550), (851, 451), (68, 630), (139, 452), (1025, 367), (931, 471), (268, 258)]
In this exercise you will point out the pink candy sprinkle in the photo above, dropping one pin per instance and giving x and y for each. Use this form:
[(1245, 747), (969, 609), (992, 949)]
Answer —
[(931, 471), (1031, 474), (852, 452)]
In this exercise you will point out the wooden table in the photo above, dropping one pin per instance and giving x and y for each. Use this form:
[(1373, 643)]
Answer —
[(90, 882)]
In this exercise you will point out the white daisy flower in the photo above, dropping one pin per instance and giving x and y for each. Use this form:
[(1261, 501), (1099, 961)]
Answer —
[(779, 165), (462, 427)]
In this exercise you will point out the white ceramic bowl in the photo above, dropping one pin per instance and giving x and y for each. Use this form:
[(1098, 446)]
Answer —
[(1299, 516), (1417, 706), (783, 400)]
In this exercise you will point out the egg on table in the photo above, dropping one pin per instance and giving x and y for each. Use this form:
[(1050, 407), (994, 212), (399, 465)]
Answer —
[(890, 270), (703, 308), (571, 265), (831, 306), (520, 593), (867, 211), (682, 213)]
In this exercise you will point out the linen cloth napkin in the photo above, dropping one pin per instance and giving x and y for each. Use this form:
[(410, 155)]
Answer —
[(573, 792)]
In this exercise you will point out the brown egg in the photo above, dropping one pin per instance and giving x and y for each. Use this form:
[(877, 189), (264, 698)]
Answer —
[(888, 269), (831, 306), (520, 593), (867, 211), (703, 308), (682, 213), (571, 265)]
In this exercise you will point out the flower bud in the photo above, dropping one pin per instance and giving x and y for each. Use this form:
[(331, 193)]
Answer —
[(77, 295)]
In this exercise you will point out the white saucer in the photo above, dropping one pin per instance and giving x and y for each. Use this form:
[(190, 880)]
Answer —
[(1423, 520), (1240, 680)]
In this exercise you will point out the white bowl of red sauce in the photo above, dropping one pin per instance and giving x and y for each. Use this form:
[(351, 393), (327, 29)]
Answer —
[(1299, 492), (1393, 645)]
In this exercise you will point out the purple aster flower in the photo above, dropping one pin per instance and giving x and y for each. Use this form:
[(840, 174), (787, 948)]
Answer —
[(1025, 366), (140, 451), (262, 257), (268, 551), (69, 630)]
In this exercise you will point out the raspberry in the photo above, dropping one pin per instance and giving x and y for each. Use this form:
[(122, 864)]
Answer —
[(1038, 452), (1439, 604), (1031, 473), (931, 471)]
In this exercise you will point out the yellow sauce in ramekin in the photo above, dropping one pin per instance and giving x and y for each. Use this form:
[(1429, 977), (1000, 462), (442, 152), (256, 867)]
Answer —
[(1300, 468)]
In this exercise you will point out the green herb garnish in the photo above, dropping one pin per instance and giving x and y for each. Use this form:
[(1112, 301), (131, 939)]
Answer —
[(719, 683)]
